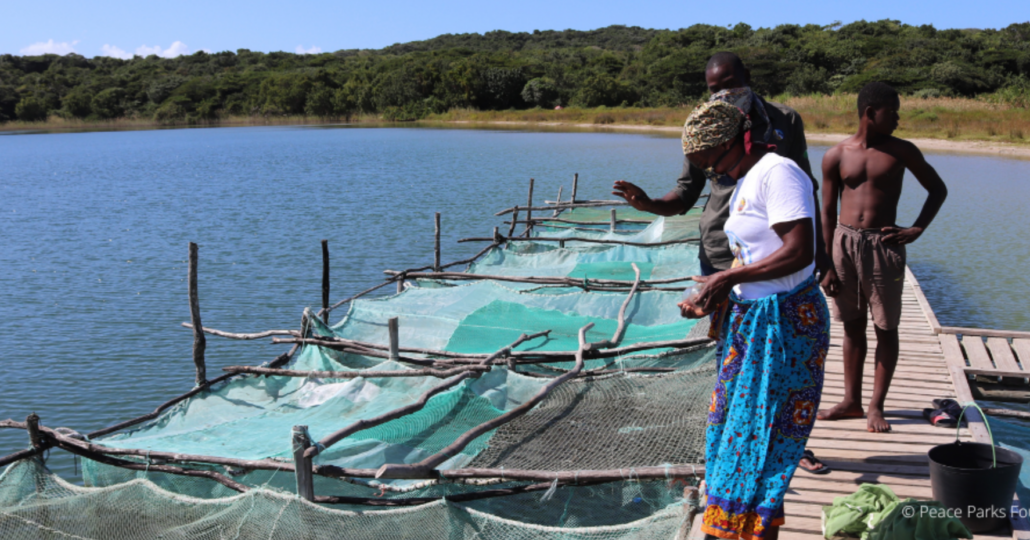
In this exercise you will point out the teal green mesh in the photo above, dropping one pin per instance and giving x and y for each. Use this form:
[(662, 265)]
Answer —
[(611, 418)]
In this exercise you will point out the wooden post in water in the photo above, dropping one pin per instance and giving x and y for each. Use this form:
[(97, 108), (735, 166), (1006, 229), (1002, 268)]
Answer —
[(558, 202), (514, 220), (497, 236), (575, 187), (199, 342), (529, 211), (325, 281), (32, 426), (395, 340), (436, 248), (612, 227), (400, 284), (301, 464)]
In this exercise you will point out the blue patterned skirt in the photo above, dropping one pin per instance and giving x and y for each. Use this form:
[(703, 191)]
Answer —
[(773, 350)]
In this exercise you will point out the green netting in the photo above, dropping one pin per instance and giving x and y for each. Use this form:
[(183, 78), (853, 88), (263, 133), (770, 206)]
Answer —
[(34, 504), (611, 419)]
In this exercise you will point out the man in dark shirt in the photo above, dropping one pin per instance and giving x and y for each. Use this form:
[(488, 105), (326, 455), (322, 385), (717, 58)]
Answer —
[(771, 123)]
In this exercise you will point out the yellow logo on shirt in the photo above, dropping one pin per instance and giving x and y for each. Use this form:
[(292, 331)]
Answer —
[(741, 205)]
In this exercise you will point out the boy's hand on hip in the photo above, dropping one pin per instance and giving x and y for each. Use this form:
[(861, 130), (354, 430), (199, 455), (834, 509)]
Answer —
[(831, 283), (897, 235)]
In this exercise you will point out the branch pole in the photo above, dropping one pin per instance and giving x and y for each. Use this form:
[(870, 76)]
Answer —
[(557, 210), (368, 374), (597, 223), (515, 217), (32, 426), (575, 187), (302, 463), (527, 357), (564, 206), (395, 339), (611, 226), (103, 455), (255, 335), (424, 467), (436, 245), (418, 405), (325, 281), (621, 329), (529, 209), (587, 241), (199, 341), (545, 280)]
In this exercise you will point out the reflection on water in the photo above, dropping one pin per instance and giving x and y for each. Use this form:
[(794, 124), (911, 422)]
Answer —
[(95, 227)]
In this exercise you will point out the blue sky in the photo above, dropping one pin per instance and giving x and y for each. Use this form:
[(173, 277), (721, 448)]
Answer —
[(123, 28)]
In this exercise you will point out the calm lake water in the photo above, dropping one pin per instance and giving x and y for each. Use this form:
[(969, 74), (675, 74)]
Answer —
[(95, 229)]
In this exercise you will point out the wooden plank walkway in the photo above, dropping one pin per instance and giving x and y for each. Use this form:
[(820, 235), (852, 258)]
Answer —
[(926, 368)]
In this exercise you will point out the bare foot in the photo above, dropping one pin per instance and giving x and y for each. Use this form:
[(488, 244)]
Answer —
[(841, 411), (877, 423)]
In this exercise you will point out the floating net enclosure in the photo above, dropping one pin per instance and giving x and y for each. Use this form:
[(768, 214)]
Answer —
[(551, 390)]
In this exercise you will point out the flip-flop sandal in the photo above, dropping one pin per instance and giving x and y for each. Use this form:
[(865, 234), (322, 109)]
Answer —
[(825, 469), (940, 418)]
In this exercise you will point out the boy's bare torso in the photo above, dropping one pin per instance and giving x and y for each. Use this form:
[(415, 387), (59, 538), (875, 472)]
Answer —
[(871, 180)]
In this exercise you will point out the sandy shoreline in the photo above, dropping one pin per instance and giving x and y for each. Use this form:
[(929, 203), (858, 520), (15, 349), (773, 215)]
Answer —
[(927, 145)]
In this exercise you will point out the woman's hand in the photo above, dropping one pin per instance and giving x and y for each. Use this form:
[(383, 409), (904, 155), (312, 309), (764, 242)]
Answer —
[(636, 197), (690, 310), (716, 290)]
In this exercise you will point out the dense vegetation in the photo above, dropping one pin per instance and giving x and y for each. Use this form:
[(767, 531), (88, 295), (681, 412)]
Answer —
[(614, 66)]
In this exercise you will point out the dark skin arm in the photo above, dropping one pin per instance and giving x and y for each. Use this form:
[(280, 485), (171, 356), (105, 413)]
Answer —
[(671, 203), (931, 182), (796, 253), (831, 193)]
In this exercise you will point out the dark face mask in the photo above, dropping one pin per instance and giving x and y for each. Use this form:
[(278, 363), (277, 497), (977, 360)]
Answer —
[(710, 171)]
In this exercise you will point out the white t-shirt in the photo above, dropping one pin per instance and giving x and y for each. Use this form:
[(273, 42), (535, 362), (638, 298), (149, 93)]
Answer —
[(774, 191)]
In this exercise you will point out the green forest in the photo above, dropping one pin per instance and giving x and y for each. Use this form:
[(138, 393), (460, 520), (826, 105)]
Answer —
[(613, 66)]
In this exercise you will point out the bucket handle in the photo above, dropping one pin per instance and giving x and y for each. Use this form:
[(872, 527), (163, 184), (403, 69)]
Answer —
[(994, 451)]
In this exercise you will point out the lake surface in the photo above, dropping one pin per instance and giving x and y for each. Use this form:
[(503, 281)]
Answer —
[(95, 229)]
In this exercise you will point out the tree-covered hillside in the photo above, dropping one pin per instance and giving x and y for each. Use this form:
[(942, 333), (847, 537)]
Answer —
[(501, 70)]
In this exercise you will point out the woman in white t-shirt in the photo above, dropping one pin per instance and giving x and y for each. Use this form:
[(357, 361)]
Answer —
[(771, 323)]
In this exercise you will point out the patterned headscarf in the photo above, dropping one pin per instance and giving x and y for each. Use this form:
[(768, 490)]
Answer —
[(711, 124), (744, 98)]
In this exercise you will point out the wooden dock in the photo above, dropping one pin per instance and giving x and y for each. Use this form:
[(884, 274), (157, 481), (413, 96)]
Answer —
[(932, 364)]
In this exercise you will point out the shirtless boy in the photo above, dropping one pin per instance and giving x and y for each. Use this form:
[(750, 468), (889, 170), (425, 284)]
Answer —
[(867, 248)]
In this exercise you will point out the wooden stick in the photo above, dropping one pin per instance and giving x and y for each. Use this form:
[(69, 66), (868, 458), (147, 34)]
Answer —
[(20, 455), (161, 408), (564, 206), (436, 247), (529, 209), (459, 497), (359, 295), (558, 210), (529, 357), (256, 335), (575, 187), (101, 453), (282, 359), (199, 342), (418, 405), (392, 325), (597, 223), (32, 426), (611, 226), (325, 281), (302, 463), (621, 329), (515, 217), (422, 469), (572, 282), (588, 240), (439, 373)]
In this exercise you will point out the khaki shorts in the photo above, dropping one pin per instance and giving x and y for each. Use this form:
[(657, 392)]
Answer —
[(872, 275)]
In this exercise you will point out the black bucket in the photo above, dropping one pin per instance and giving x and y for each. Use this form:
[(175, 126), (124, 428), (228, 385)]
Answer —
[(966, 479)]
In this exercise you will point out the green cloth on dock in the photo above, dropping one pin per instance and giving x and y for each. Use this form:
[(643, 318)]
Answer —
[(874, 512)]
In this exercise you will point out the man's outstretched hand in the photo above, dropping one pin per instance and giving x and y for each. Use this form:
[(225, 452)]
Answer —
[(635, 196)]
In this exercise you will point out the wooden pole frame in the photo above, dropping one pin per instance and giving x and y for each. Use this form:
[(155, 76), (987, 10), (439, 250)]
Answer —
[(325, 281), (199, 342)]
